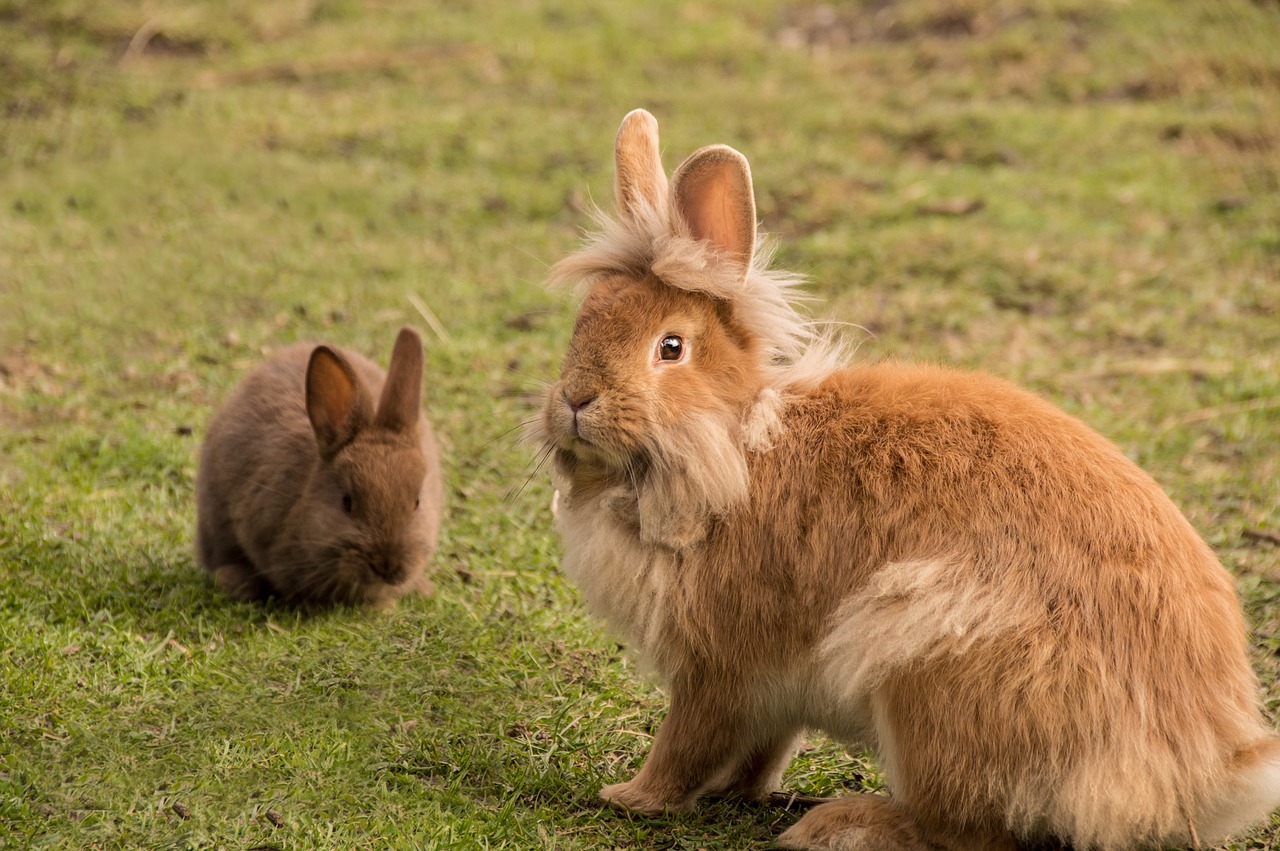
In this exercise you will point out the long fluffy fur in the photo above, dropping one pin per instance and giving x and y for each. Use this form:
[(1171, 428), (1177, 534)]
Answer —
[(932, 563), (797, 352)]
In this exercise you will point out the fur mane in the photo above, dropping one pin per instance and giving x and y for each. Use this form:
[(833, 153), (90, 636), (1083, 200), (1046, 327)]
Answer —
[(798, 354)]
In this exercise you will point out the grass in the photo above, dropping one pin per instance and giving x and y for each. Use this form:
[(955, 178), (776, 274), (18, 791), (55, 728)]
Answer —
[(1083, 197)]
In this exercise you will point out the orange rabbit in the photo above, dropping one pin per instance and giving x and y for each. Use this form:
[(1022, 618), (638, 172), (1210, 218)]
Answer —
[(933, 563)]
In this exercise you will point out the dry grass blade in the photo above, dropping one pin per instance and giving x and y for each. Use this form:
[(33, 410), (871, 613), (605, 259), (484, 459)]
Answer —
[(1156, 366), (429, 317), (1217, 411)]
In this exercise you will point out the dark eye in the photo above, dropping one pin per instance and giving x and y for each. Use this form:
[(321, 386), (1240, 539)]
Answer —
[(670, 348), (415, 503), (346, 502)]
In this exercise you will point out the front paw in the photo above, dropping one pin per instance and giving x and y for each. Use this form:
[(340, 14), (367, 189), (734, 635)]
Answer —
[(633, 797), (241, 582)]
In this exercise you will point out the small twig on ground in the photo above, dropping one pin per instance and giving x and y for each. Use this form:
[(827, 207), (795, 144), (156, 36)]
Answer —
[(1263, 535), (790, 800), (138, 44), (431, 320)]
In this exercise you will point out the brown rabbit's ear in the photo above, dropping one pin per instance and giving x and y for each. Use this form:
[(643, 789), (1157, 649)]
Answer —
[(712, 192), (337, 402), (398, 409), (638, 176)]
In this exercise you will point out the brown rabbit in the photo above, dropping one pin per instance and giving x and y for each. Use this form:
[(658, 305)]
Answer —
[(309, 493), (934, 564)]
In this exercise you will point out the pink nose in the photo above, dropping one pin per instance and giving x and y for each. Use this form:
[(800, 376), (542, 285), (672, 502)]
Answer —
[(576, 405)]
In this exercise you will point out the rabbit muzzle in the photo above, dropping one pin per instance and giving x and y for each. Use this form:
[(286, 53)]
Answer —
[(392, 572), (391, 565), (583, 427), (577, 405)]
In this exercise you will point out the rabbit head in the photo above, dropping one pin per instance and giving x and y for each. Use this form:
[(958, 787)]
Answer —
[(365, 525), (682, 336)]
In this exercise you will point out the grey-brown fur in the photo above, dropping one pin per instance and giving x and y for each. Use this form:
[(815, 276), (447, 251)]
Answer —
[(312, 424)]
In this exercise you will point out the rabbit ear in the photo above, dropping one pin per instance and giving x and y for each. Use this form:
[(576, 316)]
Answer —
[(337, 402), (398, 409), (712, 191), (638, 176)]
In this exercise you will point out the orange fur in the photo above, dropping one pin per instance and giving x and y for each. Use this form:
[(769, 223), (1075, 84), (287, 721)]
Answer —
[(933, 563)]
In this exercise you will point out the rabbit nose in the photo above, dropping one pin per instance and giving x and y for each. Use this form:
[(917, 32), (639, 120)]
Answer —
[(387, 568), (577, 404)]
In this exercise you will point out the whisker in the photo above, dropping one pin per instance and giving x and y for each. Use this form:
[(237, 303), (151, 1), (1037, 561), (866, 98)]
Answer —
[(546, 449), (544, 383), (523, 424), (543, 457)]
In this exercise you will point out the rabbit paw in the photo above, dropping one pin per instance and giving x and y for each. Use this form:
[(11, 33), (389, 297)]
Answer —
[(422, 586), (631, 796), (241, 582), (855, 823)]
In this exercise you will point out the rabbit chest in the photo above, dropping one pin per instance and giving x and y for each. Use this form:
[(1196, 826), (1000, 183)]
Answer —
[(623, 579)]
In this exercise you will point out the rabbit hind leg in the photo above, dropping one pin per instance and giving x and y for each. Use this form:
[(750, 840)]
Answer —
[(220, 553), (241, 582), (875, 823)]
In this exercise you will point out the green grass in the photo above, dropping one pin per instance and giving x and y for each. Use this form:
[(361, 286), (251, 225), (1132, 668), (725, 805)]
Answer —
[(1081, 196)]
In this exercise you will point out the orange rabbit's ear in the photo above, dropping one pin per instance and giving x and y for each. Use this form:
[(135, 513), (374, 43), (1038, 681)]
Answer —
[(712, 192), (338, 404), (401, 399), (638, 177)]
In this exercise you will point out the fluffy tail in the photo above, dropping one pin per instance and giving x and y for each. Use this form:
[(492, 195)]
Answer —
[(1252, 791)]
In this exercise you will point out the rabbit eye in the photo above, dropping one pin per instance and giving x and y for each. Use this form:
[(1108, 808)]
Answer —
[(346, 502), (671, 349), (416, 501)]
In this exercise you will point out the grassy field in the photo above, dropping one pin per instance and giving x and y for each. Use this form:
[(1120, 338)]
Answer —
[(1080, 195)]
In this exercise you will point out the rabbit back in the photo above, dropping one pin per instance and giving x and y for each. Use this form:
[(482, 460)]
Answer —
[(1027, 607), (258, 453)]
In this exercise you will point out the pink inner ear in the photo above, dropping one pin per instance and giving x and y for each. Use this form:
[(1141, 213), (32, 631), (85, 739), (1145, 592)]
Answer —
[(336, 398), (714, 196), (713, 214), (332, 393)]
